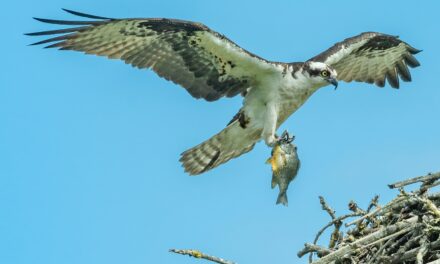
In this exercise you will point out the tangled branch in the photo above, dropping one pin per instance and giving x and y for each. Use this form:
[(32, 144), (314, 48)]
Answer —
[(406, 230)]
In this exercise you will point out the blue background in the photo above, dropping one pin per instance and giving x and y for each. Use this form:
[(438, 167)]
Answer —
[(89, 147)]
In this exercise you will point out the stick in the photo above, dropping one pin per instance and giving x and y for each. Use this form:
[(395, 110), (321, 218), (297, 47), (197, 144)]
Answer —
[(411, 254), (200, 255), (386, 231), (428, 178), (326, 207), (310, 248)]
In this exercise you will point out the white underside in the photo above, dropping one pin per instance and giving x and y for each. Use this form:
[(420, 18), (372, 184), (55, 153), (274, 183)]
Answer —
[(269, 104)]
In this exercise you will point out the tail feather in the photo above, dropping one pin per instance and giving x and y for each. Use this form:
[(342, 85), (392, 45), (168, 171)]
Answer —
[(216, 150)]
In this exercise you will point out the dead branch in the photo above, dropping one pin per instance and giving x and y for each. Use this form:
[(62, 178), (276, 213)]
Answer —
[(423, 179), (405, 230), (197, 254)]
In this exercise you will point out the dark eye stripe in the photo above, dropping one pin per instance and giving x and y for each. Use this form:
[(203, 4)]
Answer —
[(314, 72)]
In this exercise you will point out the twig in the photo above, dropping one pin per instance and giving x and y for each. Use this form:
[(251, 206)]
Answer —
[(428, 185), (386, 231), (431, 206), (329, 224), (407, 251), (309, 248), (338, 219), (379, 252), (428, 178), (331, 212), (334, 237), (411, 254), (398, 243), (424, 243), (200, 255), (403, 231), (393, 203), (326, 207), (373, 203)]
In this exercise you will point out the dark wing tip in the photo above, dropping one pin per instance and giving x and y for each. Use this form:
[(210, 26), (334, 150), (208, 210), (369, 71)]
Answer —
[(380, 82), (392, 79), (82, 25), (411, 61), (76, 13), (64, 22), (57, 31), (44, 20), (403, 71), (412, 50)]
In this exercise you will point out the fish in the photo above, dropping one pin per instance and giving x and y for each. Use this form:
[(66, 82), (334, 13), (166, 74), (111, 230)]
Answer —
[(285, 165)]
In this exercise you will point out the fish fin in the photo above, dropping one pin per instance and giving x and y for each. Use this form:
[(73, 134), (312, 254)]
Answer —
[(282, 199), (274, 183), (269, 160)]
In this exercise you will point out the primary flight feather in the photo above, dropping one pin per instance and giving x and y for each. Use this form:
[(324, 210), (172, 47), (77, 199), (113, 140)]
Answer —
[(210, 66)]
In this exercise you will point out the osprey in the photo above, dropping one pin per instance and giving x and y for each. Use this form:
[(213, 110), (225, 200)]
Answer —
[(210, 66)]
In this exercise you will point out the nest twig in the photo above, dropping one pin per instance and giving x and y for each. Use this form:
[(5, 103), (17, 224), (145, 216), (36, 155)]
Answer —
[(406, 230), (198, 254)]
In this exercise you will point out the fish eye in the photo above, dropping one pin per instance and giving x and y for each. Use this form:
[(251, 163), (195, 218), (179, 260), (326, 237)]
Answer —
[(325, 73)]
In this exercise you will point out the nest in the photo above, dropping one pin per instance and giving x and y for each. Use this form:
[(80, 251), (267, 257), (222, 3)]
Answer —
[(406, 230)]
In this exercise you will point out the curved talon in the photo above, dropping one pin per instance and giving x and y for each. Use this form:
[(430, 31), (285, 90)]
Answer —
[(285, 137)]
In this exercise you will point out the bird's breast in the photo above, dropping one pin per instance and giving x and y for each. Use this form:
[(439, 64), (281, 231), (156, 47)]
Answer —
[(292, 96), (287, 93)]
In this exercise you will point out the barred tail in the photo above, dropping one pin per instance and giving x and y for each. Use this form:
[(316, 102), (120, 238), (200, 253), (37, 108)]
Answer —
[(229, 143)]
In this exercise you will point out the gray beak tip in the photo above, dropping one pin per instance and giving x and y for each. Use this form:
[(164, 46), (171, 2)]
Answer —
[(334, 82)]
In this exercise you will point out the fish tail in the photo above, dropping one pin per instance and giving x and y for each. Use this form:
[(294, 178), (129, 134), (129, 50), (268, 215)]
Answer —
[(282, 198)]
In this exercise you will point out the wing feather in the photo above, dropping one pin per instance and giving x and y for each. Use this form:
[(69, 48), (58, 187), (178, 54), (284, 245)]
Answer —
[(371, 57), (204, 62)]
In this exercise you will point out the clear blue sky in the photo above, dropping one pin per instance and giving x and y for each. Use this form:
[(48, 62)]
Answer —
[(89, 147)]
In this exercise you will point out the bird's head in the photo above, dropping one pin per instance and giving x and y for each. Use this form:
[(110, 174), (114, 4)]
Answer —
[(320, 73)]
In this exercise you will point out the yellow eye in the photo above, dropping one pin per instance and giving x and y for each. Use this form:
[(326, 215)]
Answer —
[(325, 73)]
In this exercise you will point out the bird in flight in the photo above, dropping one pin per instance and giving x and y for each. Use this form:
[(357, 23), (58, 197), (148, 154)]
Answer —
[(210, 66)]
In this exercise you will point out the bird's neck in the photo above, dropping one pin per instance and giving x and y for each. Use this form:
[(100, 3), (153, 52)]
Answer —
[(303, 82)]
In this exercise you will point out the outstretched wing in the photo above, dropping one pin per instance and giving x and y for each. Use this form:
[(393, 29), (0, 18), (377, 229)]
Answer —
[(207, 64), (371, 57)]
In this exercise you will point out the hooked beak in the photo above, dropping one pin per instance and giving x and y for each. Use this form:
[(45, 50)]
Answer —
[(333, 81)]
